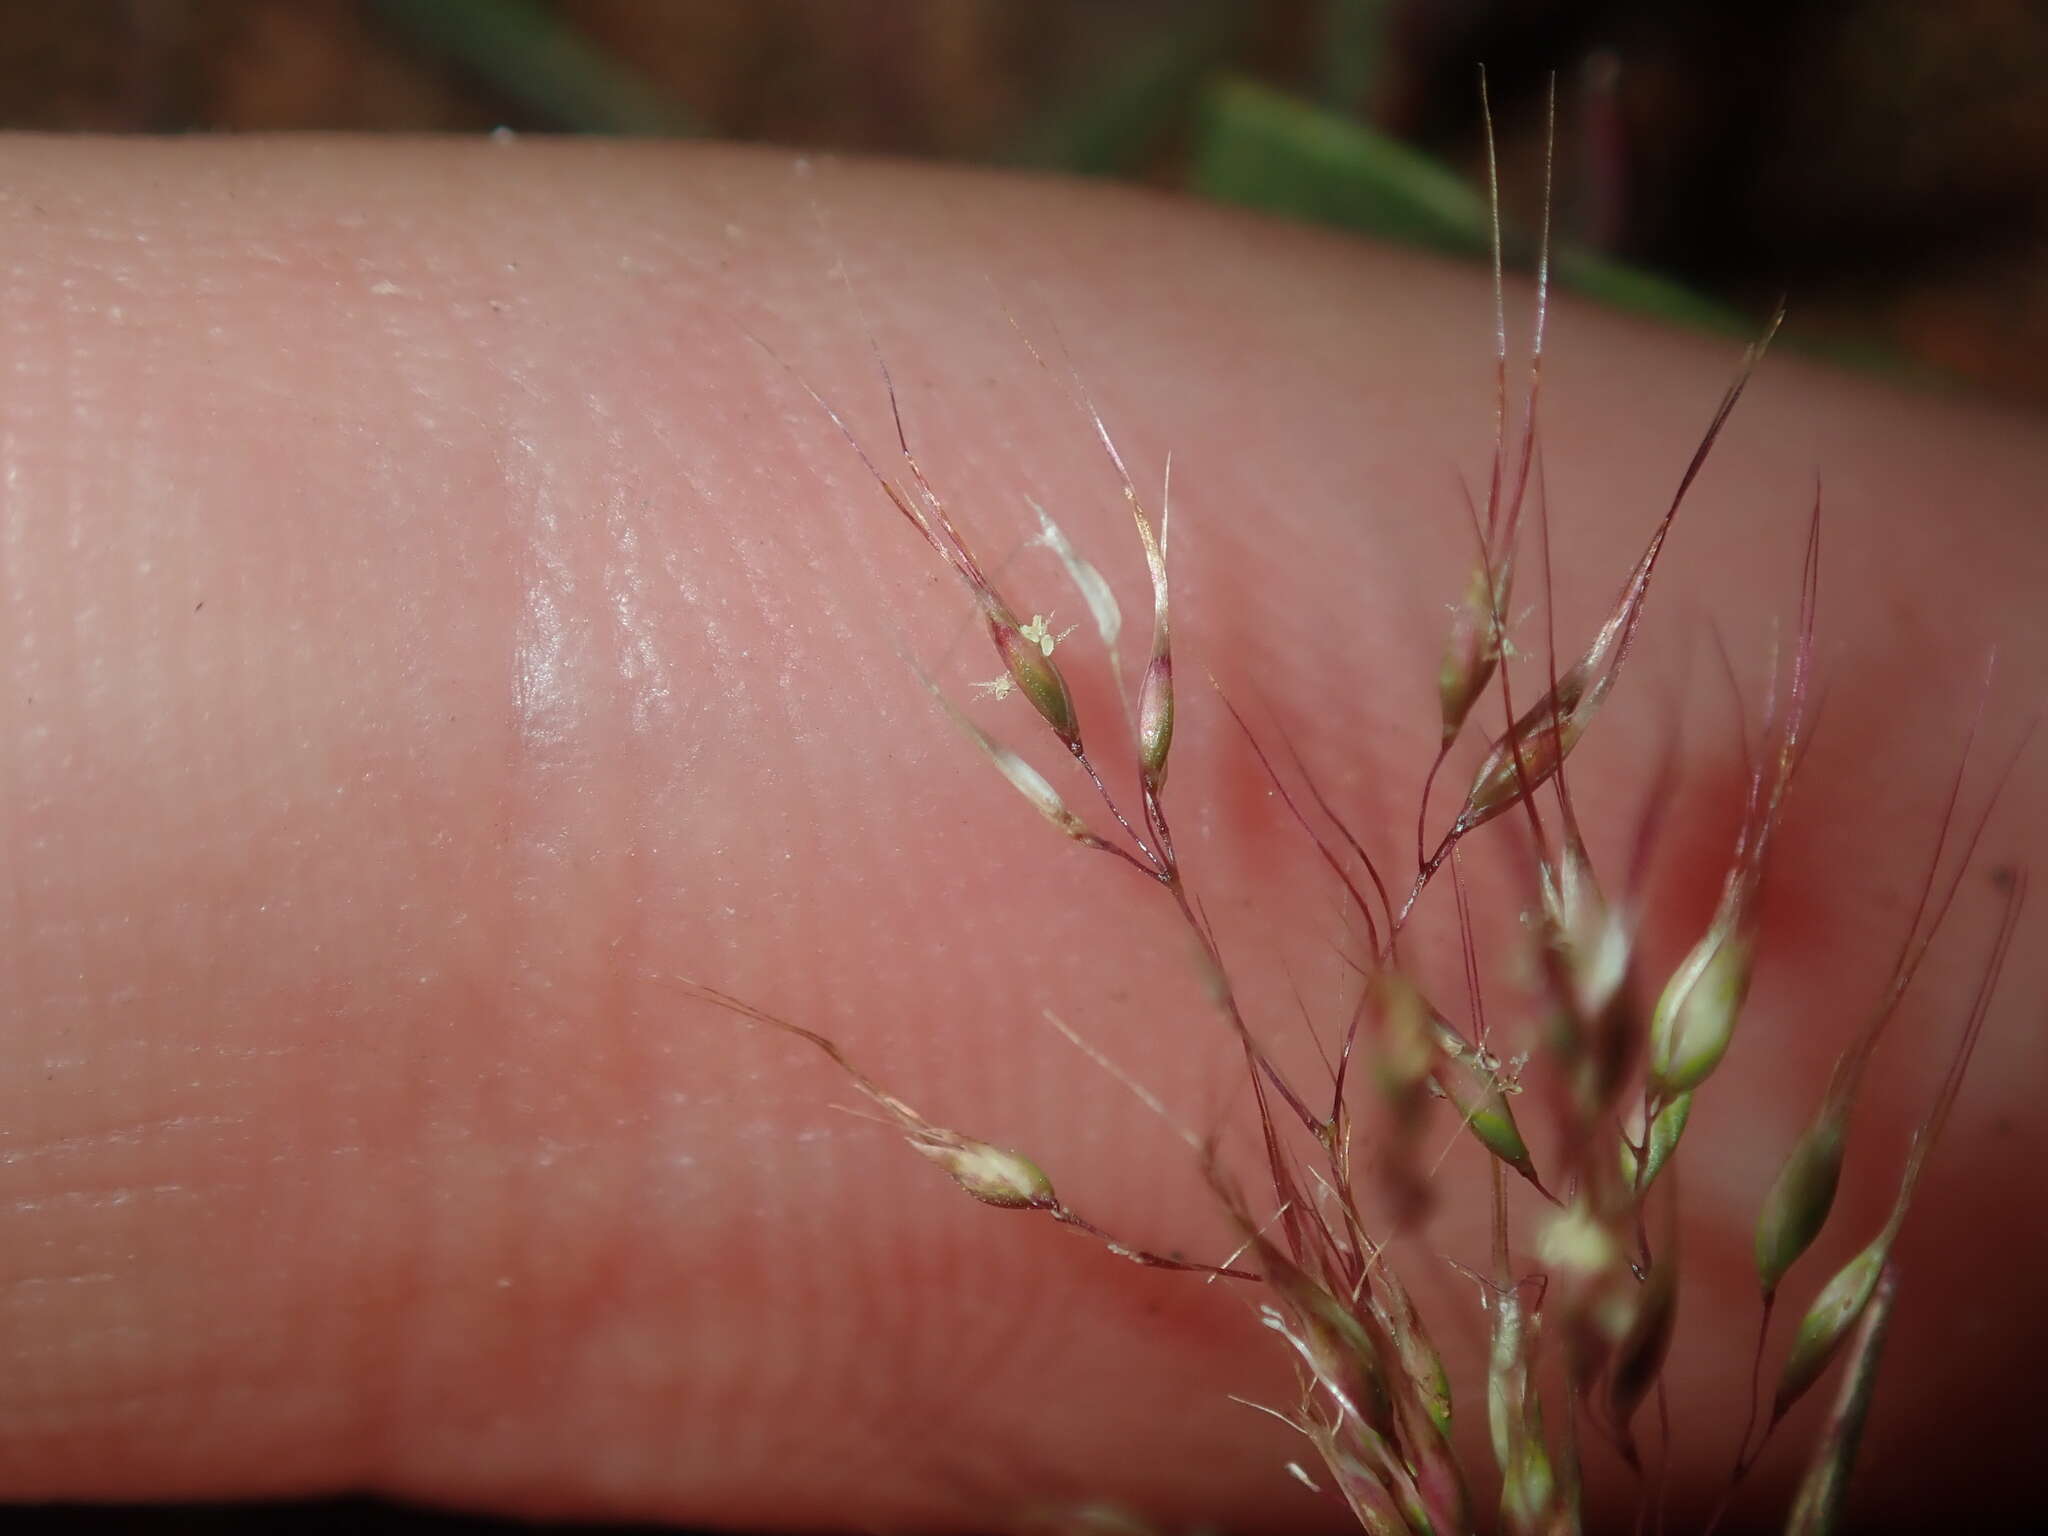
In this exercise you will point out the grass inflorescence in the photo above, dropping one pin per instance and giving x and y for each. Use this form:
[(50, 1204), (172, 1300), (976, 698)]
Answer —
[(1582, 1291)]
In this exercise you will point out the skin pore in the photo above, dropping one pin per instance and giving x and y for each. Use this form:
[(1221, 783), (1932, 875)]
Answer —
[(431, 621)]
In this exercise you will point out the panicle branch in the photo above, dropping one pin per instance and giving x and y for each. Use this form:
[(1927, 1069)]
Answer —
[(990, 1174)]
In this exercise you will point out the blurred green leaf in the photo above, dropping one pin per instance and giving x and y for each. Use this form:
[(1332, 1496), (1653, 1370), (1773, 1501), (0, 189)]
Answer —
[(1261, 149), (524, 50), (1625, 287)]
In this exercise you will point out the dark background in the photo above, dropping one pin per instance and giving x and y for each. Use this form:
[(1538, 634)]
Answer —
[(1884, 163)]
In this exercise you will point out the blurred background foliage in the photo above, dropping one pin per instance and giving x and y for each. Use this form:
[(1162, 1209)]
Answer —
[(1883, 162)]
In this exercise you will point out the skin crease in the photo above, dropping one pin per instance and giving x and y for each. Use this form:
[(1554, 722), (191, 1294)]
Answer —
[(430, 621)]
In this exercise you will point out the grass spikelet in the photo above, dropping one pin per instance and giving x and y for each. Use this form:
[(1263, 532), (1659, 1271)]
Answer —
[(1587, 954), (1026, 652), (1478, 621), (990, 1174), (1155, 691), (1640, 1355), (1036, 789), (1366, 1496), (1402, 1054), (1694, 1020), (1828, 1321), (1472, 652), (1515, 1416), (1531, 752), (1155, 710), (1420, 1362), (1818, 1506), (1476, 1089), (1093, 586), (1336, 1354), (1801, 1196), (1832, 1317), (1592, 1292), (1576, 1243), (1420, 1393), (1696, 1015), (1376, 1400)]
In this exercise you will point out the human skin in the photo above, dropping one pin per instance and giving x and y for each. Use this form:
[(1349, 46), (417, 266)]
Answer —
[(432, 623)]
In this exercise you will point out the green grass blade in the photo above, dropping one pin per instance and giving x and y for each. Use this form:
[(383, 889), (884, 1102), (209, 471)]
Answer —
[(1260, 148), (523, 50)]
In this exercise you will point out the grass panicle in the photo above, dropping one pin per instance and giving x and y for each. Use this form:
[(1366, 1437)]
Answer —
[(1578, 1305)]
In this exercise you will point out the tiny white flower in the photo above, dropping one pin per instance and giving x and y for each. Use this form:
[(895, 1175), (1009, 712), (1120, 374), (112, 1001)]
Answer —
[(1039, 633), (997, 688)]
